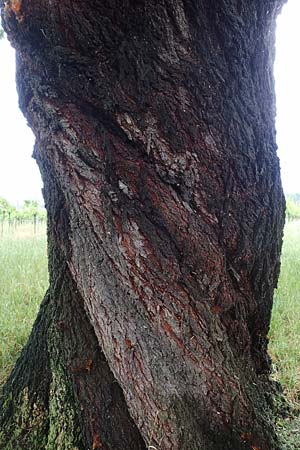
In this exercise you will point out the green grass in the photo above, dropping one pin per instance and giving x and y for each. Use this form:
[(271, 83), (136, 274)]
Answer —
[(284, 344), (285, 325), (23, 282)]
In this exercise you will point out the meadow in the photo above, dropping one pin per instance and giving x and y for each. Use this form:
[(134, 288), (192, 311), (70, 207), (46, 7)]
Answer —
[(284, 343), (24, 280)]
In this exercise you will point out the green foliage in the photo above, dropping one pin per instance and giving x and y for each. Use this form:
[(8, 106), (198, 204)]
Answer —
[(1, 32), (293, 206), (5, 206), (31, 211)]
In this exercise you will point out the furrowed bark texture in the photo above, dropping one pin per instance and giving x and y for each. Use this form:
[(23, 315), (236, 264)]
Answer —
[(62, 394), (154, 126)]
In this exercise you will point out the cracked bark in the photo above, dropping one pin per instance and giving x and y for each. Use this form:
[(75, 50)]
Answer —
[(154, 125)]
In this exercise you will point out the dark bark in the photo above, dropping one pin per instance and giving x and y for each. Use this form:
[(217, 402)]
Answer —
[(62, 384), (154, 126)]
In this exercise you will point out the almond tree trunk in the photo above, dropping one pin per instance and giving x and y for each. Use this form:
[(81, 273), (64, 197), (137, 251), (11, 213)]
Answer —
[(154, 124)]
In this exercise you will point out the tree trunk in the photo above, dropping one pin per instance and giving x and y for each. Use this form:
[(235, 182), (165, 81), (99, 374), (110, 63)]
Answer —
[(155, 137)]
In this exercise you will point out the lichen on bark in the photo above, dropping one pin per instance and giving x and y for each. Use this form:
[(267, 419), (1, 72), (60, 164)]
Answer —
[(64, 429)]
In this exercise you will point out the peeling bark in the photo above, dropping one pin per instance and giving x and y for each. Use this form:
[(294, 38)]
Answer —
[(155, 137)]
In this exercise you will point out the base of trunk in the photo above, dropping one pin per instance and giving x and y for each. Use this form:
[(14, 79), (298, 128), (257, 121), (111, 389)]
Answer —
[(61, 394)]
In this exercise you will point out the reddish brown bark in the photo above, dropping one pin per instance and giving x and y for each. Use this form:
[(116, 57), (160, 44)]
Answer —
[(155, 138)]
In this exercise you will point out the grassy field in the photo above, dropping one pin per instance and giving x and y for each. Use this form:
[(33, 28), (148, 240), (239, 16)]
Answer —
[(284, 344), (23, 282), (285, 326), (24, 279)]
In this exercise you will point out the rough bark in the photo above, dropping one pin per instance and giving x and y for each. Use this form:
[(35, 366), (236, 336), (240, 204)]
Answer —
[(154, 126), (62, 384)]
